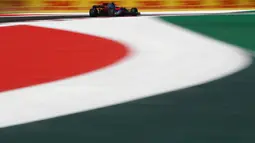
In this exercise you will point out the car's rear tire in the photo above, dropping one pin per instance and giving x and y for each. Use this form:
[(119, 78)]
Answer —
[(134, 11), (93, 12)]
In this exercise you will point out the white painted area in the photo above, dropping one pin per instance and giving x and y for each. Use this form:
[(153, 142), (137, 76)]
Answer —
[(164, 58)]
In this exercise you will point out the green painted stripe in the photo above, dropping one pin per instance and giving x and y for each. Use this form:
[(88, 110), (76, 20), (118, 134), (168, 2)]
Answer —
[(235, 29)]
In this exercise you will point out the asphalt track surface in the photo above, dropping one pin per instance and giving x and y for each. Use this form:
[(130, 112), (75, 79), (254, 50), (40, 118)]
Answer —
[(10, 19)]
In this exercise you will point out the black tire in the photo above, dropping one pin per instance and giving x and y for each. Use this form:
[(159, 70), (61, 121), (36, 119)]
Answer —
[(111, 12), (93, 12), (134, 11), (101, 13)]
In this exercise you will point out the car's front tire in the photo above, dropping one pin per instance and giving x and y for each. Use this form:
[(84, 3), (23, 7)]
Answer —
[(134, 11)]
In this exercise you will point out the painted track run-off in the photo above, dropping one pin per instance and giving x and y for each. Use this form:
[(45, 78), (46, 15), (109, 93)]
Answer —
[(162, 58)]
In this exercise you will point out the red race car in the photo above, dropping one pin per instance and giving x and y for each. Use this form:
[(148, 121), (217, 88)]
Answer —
[(110, 9)]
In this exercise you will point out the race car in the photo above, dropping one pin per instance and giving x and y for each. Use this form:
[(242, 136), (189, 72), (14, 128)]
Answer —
[(110, 9)]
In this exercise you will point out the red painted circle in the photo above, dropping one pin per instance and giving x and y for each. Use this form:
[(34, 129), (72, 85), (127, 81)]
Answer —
[(32, 55)]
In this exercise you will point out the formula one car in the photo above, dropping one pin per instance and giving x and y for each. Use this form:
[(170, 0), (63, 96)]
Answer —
[(110, 9)]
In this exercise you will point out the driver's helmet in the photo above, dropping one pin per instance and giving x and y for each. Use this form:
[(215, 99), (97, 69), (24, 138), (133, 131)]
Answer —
[(111, 5)]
